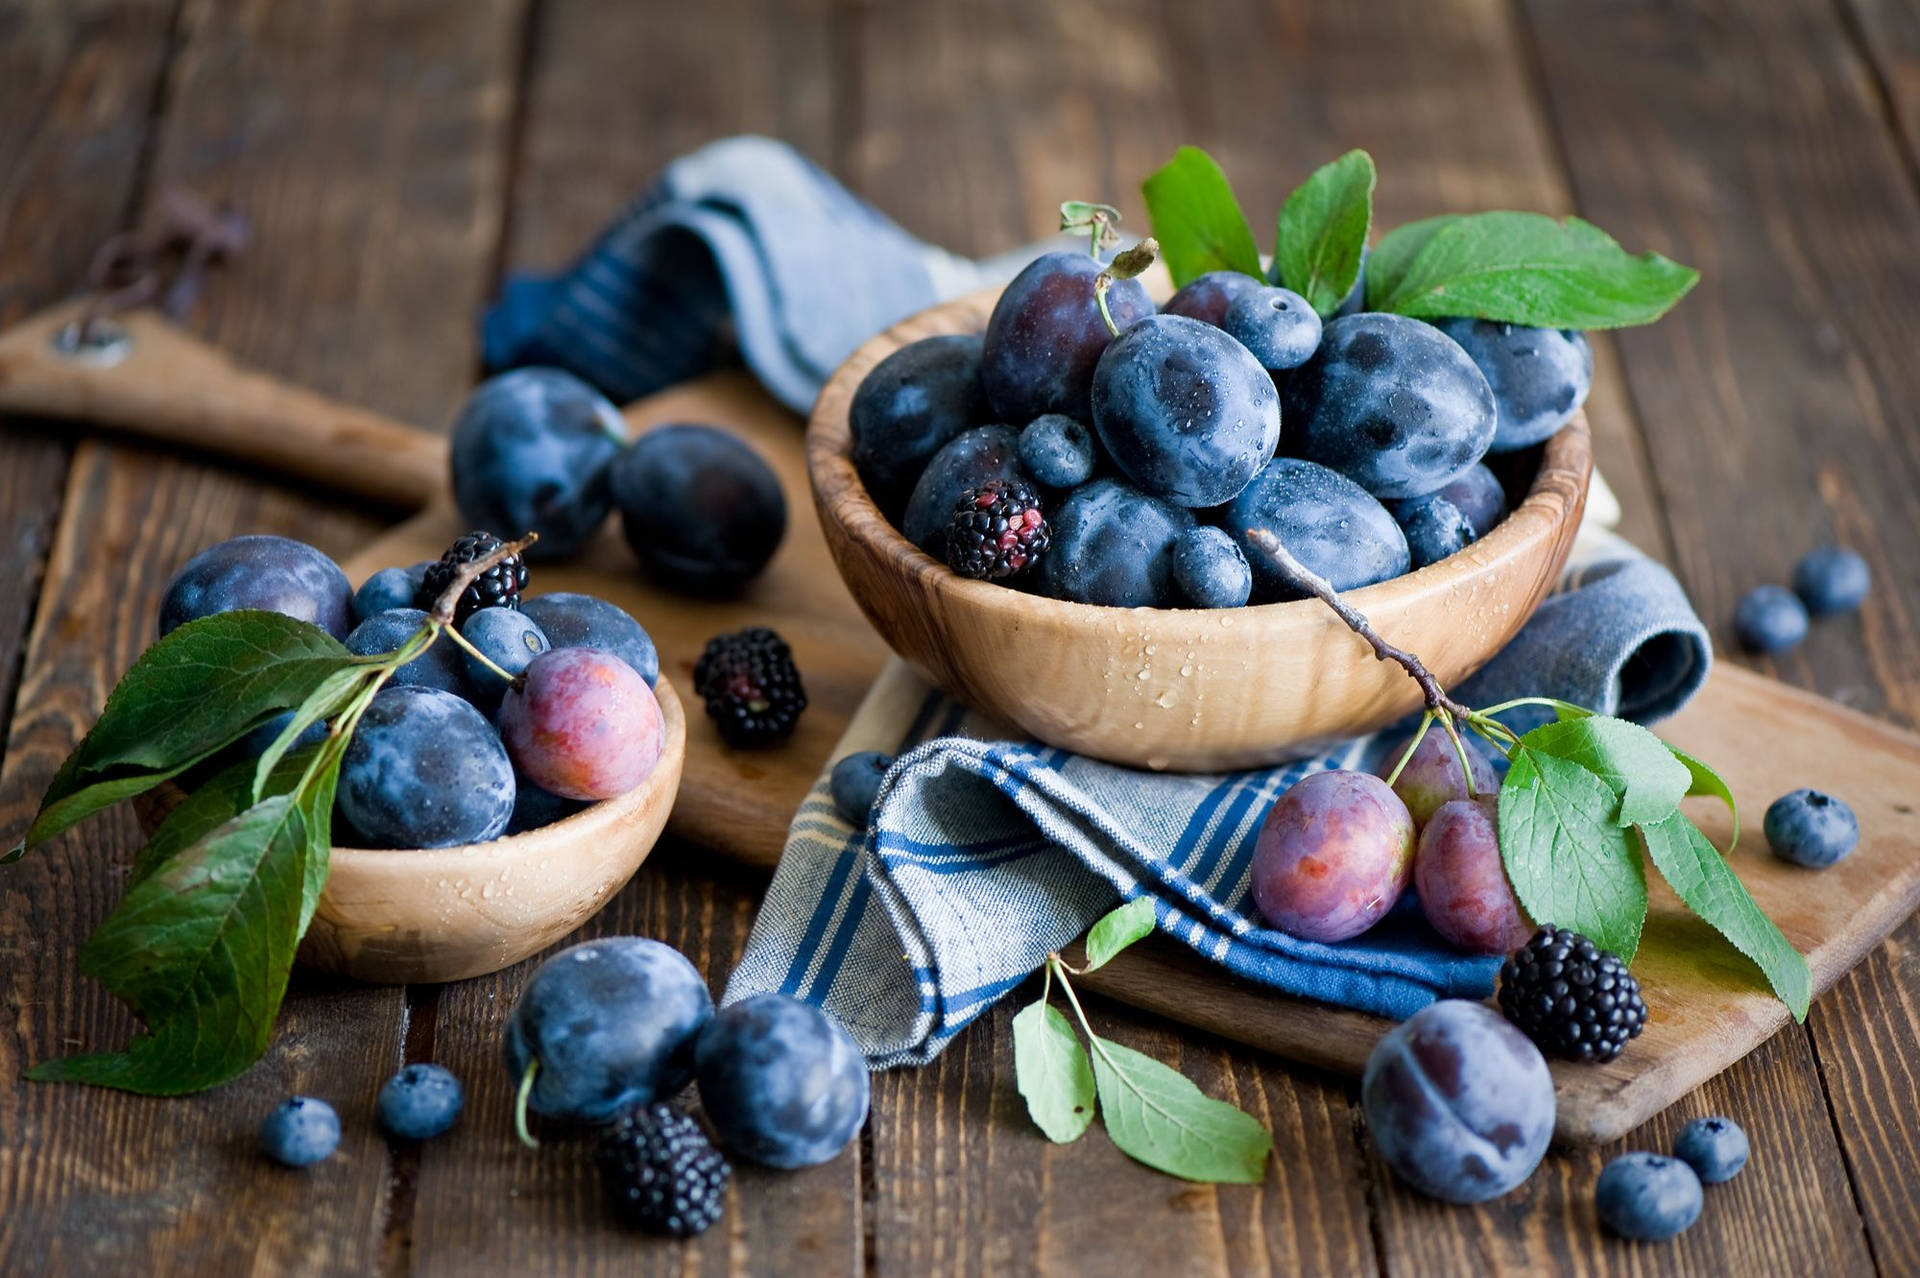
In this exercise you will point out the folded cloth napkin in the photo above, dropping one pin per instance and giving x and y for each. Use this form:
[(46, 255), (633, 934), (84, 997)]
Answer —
[(985, 853)]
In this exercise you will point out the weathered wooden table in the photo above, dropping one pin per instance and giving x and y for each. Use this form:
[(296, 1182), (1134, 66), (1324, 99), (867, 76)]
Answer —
[(396, 157)]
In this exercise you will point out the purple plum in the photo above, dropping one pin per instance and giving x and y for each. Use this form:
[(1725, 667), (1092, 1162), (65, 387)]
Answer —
[(1432, 775), (1333, 856), (1463, 887)]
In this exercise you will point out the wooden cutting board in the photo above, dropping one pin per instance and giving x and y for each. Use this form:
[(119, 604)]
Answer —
[(1709, 1005)]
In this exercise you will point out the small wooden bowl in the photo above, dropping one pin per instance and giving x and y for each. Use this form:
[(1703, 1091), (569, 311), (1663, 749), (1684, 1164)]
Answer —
[(1188, 690)]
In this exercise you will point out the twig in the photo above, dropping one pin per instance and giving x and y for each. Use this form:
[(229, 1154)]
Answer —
[(449, 600)]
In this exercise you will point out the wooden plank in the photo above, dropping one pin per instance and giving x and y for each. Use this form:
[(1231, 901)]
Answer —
[(1888, 33)]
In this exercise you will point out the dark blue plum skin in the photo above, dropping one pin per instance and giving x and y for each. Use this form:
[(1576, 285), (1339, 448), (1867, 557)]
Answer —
[(1459, 1102), (300, 1132), (1210, 570), (1716, 1148), (388, 589), (783, 1084), (1113, 545), (1207, 297), (612, 1023), (1539, 376), (510, 639), (702, 510), (1647, 1197), (1476, 495), (442, 666), (1276, 325), (1435, 528), (271, 574), (1769, 619), (1329, 523), (1810, 828), (1832, 580), (854, 782), (571, 620), (1058, 451), (1390, 402), (530, 454), (535, 808), (969, 460), (908, 407), (1046, 335), (1186, 413), (420, 1102), (425, 770)]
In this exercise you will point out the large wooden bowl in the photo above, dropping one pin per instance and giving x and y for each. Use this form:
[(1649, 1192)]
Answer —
[(1189, 690)]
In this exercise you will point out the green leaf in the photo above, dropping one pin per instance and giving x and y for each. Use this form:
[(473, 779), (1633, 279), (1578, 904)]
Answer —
[(1196, 219), (335, 693), (1706, 783), (1698, 874), (1568, 862), (1050, 1068), (1323, 230), (1635, 764), (1528, 268), (216, 802), (1154, 1114), (1395, 253), (1119, 929)]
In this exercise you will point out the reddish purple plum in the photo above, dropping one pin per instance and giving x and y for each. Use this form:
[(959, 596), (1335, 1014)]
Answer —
[(1463, 887), (1333, 856), (1046, 334), (1432, 776), (582, 724)]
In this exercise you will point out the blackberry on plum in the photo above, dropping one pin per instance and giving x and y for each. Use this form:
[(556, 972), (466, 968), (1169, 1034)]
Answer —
[(420, 1102), (1539, 376), (1574, 999), (908, 407), (1332, 525), (1113, 545), (854, 783), (271, 574), (425, 770), (969, 460), (581, 724), (570, 620), (300, 1131), (1057, 451), (441, 666), (1277, 325), (1210, 570), (997, 530), (1810, 828), (751, 687), (1207, 297), (1832, 580), (782, 1082), (1769, 619), (1046, 334), (498, 587), (1648, 1197), (702, 510)]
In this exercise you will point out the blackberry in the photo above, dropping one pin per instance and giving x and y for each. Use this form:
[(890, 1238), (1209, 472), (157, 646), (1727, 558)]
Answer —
[(996, 530), (661, 1173), (1572, 998), (751, 687), (497, 587)]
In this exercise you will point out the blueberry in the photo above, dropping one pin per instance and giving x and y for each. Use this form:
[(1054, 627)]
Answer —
[(1210, 570), (1329, 523), (701, 509), (1810, 828), (1276, 324), (1715, 1148), (1832, 579), (1113, 545), (1186, 413), (1057, 451), (509, 639), (1435, 528), (530, 454), (420, 1102), (1769, 619), (1647, 1196), (908, 407), (610, 1024), (783, 1084), (1207, 297), (584, 621), (425, 770), (1539, 376), (1391, 403), (388, 589), (534, 808), (300, 1132), (1046, 334), (272, 574), (968, 460), (855, 781), (443, 665)]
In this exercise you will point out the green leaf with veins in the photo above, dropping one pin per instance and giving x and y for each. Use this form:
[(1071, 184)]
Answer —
[(1706, 784), (1051, 1070), (1197, 220), (1156, 1115), (1635, 764), (1119, 929), (1395, 253), (1567, 860), (1323, 230), (225, 796)]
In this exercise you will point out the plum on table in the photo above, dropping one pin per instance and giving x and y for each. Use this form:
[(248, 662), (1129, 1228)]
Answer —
[(1333, 855), (271, 574), (783, 1083), (907, 408), (702, 510), (425, 770), (1539, 376), (1330, 524), (1046, 334), (1114, 545)]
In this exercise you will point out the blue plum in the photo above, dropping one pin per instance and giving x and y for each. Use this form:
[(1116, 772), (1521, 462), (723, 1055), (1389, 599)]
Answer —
[(534, 808), (507, 637), (1045, 336), (1329, 523), (1113, 545), (1810, 828), (1769, 619), (604, 1026), (1186, 413), (530, 454), (1210, 570), (1832, 579), (1435, 529), (908, 407), (425, 770), (1392, 403), (1058, 451), (782, 1082), (272, 574), (855, 782), (388, 589), (1716, 1148), (702, 510), (1648, 1197), (300, 1132), (571, 620), (968, 460), (1207, 297), (1477, 495), (1459, 1102), (1539, 376), (441, 666), (420, 1102), (1276, 324)]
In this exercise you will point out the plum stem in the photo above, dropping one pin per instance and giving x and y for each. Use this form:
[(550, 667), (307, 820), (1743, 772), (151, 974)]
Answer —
[(449, 600), (1101, 284), (521, 1094), (1406, 755), (453, 633)]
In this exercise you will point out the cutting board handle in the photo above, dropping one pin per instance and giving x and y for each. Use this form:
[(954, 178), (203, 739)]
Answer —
[(156, 380)]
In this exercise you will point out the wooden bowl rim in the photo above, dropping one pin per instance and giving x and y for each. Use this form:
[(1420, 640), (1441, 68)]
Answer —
[(1556, 494)]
